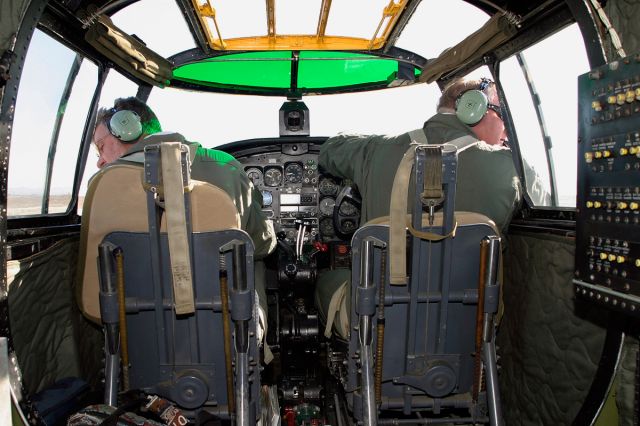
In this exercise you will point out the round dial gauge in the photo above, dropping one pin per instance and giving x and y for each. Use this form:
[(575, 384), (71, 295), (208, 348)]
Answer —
[(348, 226), (273, 177), (328, 187), (326, 227), (267, 198), (348, 209), (294, 172), (326, 206), (254, 174)]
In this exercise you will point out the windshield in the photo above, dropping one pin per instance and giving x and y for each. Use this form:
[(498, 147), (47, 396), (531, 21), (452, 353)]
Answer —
[(216, 119)]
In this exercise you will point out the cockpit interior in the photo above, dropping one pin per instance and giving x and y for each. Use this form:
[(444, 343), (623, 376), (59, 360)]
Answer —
[(133, 293)]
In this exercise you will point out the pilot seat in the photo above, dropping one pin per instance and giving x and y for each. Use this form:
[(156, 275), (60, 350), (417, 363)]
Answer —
[(168, 273), (419, 346)]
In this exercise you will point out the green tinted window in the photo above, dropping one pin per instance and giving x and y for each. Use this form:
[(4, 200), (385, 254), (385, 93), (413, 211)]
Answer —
[(317, 70), (254, 69), (338, 69)]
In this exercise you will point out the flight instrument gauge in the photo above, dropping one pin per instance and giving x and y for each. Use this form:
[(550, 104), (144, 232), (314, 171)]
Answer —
[(326, 206), (267, 198), (273, 177), (348, 226), (294, 172), (326, 227), (348, 209), (255, 174), (328, 187)]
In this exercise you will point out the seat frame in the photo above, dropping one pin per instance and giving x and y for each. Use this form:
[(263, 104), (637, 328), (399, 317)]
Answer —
[(453, 286), (180, 357)]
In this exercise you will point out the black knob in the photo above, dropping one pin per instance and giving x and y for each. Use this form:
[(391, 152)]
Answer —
[(291, 269)]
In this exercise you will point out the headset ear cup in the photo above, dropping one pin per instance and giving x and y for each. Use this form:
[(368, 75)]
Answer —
[(471, 106), (125, 125)]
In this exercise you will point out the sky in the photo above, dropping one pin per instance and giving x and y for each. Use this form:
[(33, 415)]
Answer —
[(215, 119)]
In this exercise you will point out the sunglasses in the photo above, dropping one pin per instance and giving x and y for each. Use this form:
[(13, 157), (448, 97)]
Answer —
[(484, 84)]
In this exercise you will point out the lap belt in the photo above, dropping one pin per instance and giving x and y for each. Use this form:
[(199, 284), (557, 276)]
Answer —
[(177, 227)]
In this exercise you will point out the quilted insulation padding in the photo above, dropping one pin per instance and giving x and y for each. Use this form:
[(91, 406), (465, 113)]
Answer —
[(46, 325), (623, 17), (548, 352), (626, 380)]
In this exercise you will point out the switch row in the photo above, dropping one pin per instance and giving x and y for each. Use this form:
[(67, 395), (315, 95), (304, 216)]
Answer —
[(619, 205)]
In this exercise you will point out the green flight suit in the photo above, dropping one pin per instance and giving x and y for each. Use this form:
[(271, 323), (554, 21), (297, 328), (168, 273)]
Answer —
[(487, 183), (487, 179)]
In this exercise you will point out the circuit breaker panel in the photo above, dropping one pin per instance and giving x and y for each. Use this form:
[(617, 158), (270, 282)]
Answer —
[(608, 200)]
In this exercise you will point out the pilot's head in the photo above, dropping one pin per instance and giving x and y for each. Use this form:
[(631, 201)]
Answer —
[(119, 128), (476, 104)]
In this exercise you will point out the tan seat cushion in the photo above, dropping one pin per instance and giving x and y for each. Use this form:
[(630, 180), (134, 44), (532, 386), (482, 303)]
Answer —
[(116, 201)]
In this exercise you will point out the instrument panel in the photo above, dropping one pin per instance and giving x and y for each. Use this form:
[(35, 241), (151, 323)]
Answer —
[(295, 192), (607, 232)]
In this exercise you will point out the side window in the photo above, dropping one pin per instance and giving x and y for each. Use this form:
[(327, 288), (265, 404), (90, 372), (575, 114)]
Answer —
[(51, 110), (115, 86), (541, 89)]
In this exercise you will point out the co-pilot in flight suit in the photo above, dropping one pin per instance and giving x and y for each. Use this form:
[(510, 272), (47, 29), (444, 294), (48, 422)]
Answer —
[(224, 171), (487, 182)]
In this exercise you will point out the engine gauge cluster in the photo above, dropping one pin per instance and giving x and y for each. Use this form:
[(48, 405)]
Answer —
[(294, 190)]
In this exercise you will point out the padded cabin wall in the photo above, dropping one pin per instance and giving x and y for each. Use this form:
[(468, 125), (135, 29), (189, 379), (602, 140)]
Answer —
[(51, 338), (623, 15), (549, 343)]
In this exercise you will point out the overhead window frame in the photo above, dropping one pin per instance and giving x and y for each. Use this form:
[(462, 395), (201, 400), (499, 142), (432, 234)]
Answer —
[(409, 65)]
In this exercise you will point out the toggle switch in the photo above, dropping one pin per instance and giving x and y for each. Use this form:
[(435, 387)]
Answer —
[(622, 205), (623, 151), (620, 259), (603, 256), (612, 257), (633, 205), (621, 99), (589, 204)]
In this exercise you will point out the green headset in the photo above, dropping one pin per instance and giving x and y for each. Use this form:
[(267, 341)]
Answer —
[(472, 105), (125, 125)]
